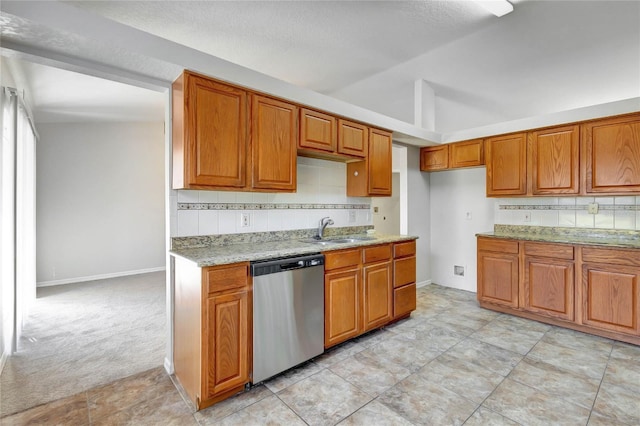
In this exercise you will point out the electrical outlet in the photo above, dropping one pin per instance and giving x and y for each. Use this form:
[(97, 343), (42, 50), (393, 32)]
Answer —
[(375, 209), (352, 215), (458, 270), (245, 220), (527, 217), (592, 208), (468, 216)]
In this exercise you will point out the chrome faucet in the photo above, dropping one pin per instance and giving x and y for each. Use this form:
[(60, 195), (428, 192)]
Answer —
[(324, 222)]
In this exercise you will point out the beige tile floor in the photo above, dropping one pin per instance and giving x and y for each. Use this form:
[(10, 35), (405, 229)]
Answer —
[(451, 363)]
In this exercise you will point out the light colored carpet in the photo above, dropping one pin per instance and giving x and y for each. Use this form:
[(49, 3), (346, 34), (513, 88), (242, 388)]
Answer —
[(82, 335)]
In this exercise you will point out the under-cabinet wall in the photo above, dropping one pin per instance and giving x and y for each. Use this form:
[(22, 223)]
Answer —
[(321, 191), (571, 212)]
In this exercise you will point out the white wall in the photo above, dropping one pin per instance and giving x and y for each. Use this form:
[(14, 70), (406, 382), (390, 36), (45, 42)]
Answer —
[(100, 200), (419, 214), (321, 183), (453, 241)]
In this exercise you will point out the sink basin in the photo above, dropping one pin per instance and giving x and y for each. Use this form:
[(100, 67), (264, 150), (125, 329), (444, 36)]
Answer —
[(338, 240), (319, 242)]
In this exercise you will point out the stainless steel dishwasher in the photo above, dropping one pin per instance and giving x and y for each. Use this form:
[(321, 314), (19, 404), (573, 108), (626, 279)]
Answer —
[(288, 313)]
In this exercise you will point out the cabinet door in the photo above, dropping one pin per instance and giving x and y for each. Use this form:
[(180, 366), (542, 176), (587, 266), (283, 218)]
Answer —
[(506, 165), (549, 287), (611, 297), (341, 306), (611, 155), (226, 337), (215, 134), (353, 138), (498, 278), (377, 295), (274, 134), (553, 161), (379, 162), (318, 131), (466, 154), (434, 158)]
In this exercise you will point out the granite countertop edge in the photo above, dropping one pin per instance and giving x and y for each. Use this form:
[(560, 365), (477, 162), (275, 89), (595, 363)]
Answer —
[(248, 252), (566, 239)]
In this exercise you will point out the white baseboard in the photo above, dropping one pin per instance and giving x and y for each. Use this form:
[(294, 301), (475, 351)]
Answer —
[(423, 283), (99, 277), (3, 360), (168, 366)]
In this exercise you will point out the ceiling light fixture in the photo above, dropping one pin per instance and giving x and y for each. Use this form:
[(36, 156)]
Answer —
[(497, 7)]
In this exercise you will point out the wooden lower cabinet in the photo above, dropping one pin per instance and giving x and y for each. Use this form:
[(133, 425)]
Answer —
[(341, 308), (610, 290), (549, 287), (404, 279), (587, 288), (225, 353), (212, 330), (377, 295), (360, 290), (498, 272)]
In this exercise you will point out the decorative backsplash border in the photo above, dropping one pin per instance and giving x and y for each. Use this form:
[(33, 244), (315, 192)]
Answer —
[(201, 241), (269, 206), (620, 207)]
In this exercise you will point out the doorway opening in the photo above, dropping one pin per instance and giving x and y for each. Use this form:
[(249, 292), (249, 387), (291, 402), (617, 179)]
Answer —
[(100, 312)]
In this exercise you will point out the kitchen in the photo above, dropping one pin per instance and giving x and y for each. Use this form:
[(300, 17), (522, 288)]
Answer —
[(441, 236)]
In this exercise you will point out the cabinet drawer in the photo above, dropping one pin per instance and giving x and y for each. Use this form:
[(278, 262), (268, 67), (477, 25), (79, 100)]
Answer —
[(611, 256), (404, 300), (500, 246), (404, 249), (376, 253), (404, 271), (341, 259), (556, 251), (221, 278)]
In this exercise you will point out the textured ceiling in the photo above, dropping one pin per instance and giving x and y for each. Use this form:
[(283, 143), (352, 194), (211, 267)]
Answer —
[(320, 45), (544, 57)]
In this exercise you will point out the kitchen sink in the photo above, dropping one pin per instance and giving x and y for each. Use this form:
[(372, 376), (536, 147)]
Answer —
[(337, 240)]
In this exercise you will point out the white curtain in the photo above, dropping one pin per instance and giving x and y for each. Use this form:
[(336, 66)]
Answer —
[(17, 217)]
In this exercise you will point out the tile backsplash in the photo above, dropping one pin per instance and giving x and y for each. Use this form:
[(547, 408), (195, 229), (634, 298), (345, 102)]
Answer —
[(613, 212), (321, 192)]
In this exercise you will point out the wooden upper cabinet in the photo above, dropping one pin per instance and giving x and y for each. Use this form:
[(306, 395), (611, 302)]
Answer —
[(434, 158), (372, 177), (553, 161), (209, 134), (379, 162), (353, 138), (466, 154), (611, 155), (506, 165), (274, 134), (318, 131)]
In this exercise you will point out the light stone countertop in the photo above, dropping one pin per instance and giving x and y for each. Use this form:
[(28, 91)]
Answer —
[(246, 252), (580, 236)]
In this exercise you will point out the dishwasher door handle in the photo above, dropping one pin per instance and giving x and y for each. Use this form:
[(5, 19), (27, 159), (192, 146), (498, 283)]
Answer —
[(293, 265)]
